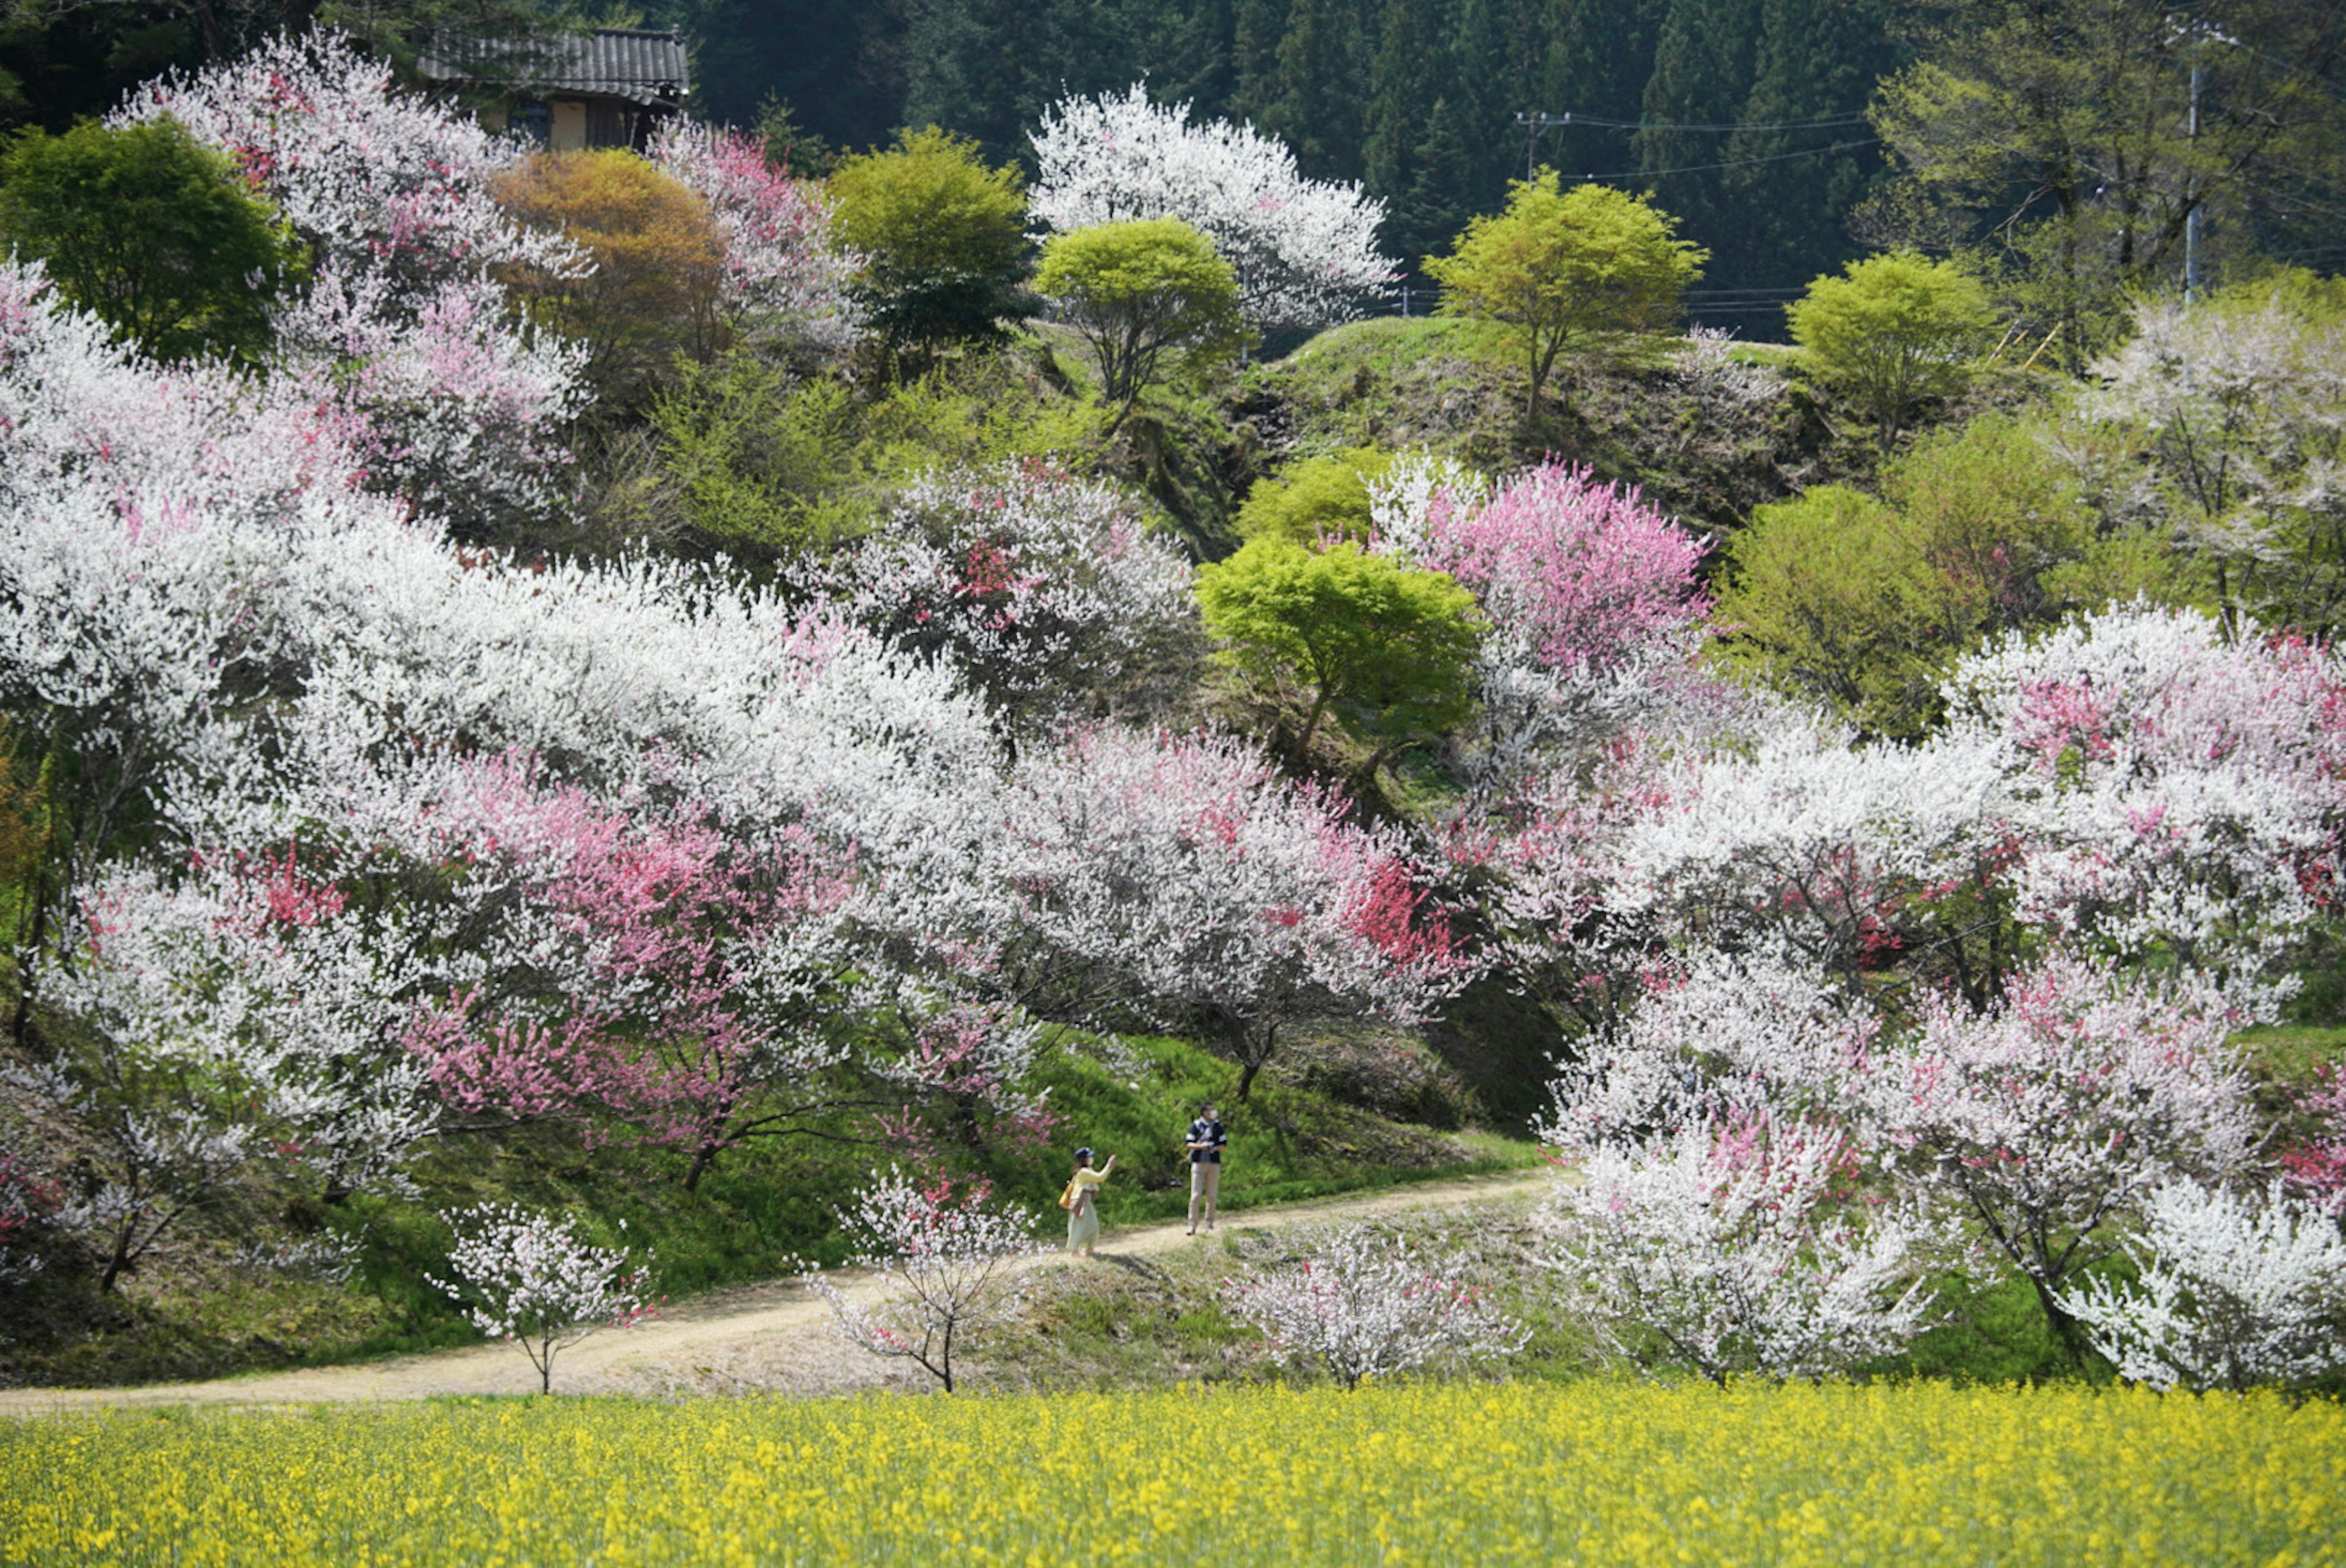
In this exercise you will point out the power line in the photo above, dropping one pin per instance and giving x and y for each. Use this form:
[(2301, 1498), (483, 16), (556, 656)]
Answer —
[(1736, 162), (1822, 122)]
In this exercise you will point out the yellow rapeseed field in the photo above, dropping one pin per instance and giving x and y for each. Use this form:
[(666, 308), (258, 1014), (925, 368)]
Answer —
[(1439, 1473)]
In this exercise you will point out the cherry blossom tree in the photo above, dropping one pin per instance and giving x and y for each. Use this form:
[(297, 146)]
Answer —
[(786, 280), (2235, 1290), (1048, 592), (1183, 879), (1726, 1240), (2060, 1109), (1304, 249), (1367, 1304), (536, 1281), (948, 1265), (2171, 789), (699, 1004), (977, 1059), (406, 327), (2231, 403), (1590, 596)]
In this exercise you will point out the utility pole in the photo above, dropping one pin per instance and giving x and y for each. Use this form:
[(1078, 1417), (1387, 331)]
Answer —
[(2191, 218), (1537, 125)]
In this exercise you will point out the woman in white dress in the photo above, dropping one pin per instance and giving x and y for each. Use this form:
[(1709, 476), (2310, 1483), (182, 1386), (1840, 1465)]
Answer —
[(1083, 1201)]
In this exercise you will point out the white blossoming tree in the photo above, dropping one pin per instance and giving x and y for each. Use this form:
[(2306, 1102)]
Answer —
[(1304, 249), (2234, 1289), (948, 1264), (1367, 1304), (536, 1281)]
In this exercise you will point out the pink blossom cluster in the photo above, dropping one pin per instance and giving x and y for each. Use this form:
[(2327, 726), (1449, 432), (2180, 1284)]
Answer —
[(785, 278), (1592, 599)]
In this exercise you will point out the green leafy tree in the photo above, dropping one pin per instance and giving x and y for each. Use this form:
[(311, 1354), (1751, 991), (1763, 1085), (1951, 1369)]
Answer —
[(1318, 499), (1581, 268), (152, 232), (2059, 138), (944, 240), (1864, 601), (1345, 630), (1139, 291), (1891, 332)]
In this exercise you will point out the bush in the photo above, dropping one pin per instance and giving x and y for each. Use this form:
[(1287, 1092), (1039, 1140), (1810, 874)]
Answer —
[(151, 231), (942, 239), (1891, 332), (657, 281)]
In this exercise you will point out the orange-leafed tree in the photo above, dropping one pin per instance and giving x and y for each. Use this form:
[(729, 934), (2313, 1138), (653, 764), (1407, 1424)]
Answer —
[(655, 288)]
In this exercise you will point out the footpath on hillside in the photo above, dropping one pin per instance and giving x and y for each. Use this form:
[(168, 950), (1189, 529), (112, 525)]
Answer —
[(774, 1337)]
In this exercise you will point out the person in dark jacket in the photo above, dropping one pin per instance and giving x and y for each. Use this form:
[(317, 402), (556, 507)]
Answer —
[(1207, 1138)]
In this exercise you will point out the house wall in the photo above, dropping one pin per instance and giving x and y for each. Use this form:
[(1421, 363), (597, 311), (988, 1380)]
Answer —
[(570, 132)]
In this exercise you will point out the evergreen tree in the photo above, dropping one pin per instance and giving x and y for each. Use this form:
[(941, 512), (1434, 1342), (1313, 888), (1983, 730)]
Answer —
[(1440, 199), (1317, 109), (1403, 85), (1818, 61), (1256, 28), (1702, 74)]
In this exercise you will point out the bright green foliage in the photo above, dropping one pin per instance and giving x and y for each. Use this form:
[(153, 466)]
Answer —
[(1349, 629), (1321, 498), (1139, 291), (765, 466), (1865, 603), (1891, 332), (942, 236), (151, 231), (1827, 595), (1579, 268)]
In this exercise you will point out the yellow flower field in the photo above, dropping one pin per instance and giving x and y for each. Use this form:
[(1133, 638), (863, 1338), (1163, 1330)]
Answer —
[(1594, 1471)]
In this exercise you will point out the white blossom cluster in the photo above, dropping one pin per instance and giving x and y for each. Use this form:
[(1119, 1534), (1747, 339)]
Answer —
[(538, 1281), (2234, 1289), (948, 1265), (1043, 589), (1304, 250), (1366, 1304)]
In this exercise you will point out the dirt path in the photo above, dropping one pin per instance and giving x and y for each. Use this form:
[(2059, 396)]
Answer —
[(774, 1337)]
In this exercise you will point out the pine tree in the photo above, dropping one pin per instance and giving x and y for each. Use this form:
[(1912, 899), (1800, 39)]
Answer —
[(1403, 87), (1702, 74), (1440, 199), (1818, 60), (1317, 110)]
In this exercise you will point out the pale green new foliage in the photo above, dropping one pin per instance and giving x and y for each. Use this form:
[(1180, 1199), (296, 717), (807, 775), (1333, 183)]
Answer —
[(1318, 499), (1351, 627), (1137, 291), (1866, 601), (1568, 267), (942, 234), (1892, 330)]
